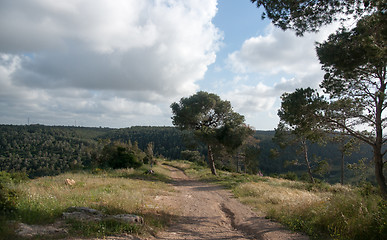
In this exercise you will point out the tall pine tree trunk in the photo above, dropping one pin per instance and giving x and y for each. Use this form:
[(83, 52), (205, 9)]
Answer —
[(211, 161), (378, 159), (305, 149), (378, 146), (342, 168)]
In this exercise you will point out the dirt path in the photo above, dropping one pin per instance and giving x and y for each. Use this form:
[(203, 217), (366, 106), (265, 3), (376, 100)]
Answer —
[(210, 212)]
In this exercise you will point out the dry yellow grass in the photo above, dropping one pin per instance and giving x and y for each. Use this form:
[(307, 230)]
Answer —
[(48, 197), (276, 193)]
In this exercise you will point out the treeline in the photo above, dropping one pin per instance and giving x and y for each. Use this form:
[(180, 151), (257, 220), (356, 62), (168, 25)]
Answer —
[(168, 141), (49, 150)]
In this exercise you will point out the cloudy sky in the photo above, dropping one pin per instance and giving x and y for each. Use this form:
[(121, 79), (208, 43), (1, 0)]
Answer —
[(122, 63)]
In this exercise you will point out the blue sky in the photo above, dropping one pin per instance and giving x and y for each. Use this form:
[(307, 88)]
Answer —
[(122, 63)]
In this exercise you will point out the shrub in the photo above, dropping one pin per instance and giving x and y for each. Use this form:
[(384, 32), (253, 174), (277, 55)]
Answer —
[(289, 175), (380, 220), (8, 196), (116, 156), (192, 156)]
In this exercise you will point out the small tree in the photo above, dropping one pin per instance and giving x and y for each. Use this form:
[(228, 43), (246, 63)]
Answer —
[(347, 145), (192, 156), (249, 152), (149, 154), (297, 116), (118, 155), (212, 121)]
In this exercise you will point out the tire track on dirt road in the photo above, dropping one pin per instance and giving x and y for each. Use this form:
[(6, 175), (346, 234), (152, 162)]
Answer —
[(210, 212)]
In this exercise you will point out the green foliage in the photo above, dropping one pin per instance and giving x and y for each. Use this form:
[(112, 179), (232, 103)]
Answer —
[(8, 194), (118, 155), (149, 158), (103, 228), (299, 121), (25, 142), (212, 121), (289, 175), (355, 63), (298, 113), (304, 16), (168, 141), (380, 220), (322, 167), (42, 150), (8, 199), (192, 156)]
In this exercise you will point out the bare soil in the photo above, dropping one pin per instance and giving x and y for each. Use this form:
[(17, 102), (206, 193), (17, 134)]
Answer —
[(210, 212), (205, 211)]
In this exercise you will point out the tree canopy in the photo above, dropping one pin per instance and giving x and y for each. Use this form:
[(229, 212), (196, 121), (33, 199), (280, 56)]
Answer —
[(297, 116), (308, 16), (298, 111), (212, 120)]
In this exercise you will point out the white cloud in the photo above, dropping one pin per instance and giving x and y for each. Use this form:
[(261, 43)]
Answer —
[(252, 99), (103, 58), (281, 62), (280, 53)]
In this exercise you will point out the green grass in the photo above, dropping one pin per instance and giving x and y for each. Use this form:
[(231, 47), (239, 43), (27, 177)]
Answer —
[(43, 200), (103, 228), (323, 211)]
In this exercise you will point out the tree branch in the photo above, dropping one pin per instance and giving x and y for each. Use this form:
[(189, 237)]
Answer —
[(385, 151), (352, 132)]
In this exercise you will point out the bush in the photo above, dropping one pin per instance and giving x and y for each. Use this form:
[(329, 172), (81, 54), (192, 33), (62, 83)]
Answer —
[(118, 156), (122, 158), (8, 196), (192, 156), (289, 175), (146, 160), (380, 220)]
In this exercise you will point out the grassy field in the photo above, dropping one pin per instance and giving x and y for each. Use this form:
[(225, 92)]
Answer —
[(323, 211), (43, 200)]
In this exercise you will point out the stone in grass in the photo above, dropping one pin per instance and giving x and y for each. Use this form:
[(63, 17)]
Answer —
[(28, 231), (83, 214), (69, 182), (89, 214), (128, 218), (150, 171)]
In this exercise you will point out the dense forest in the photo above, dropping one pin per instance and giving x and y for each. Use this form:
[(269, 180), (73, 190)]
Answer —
[(49, 150)]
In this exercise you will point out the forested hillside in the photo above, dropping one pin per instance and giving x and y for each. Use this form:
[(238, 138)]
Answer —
[(273, 159), (48, 150), (43, 150)]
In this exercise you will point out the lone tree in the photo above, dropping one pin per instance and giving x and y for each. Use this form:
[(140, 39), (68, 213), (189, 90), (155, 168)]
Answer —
[(212, 121)]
